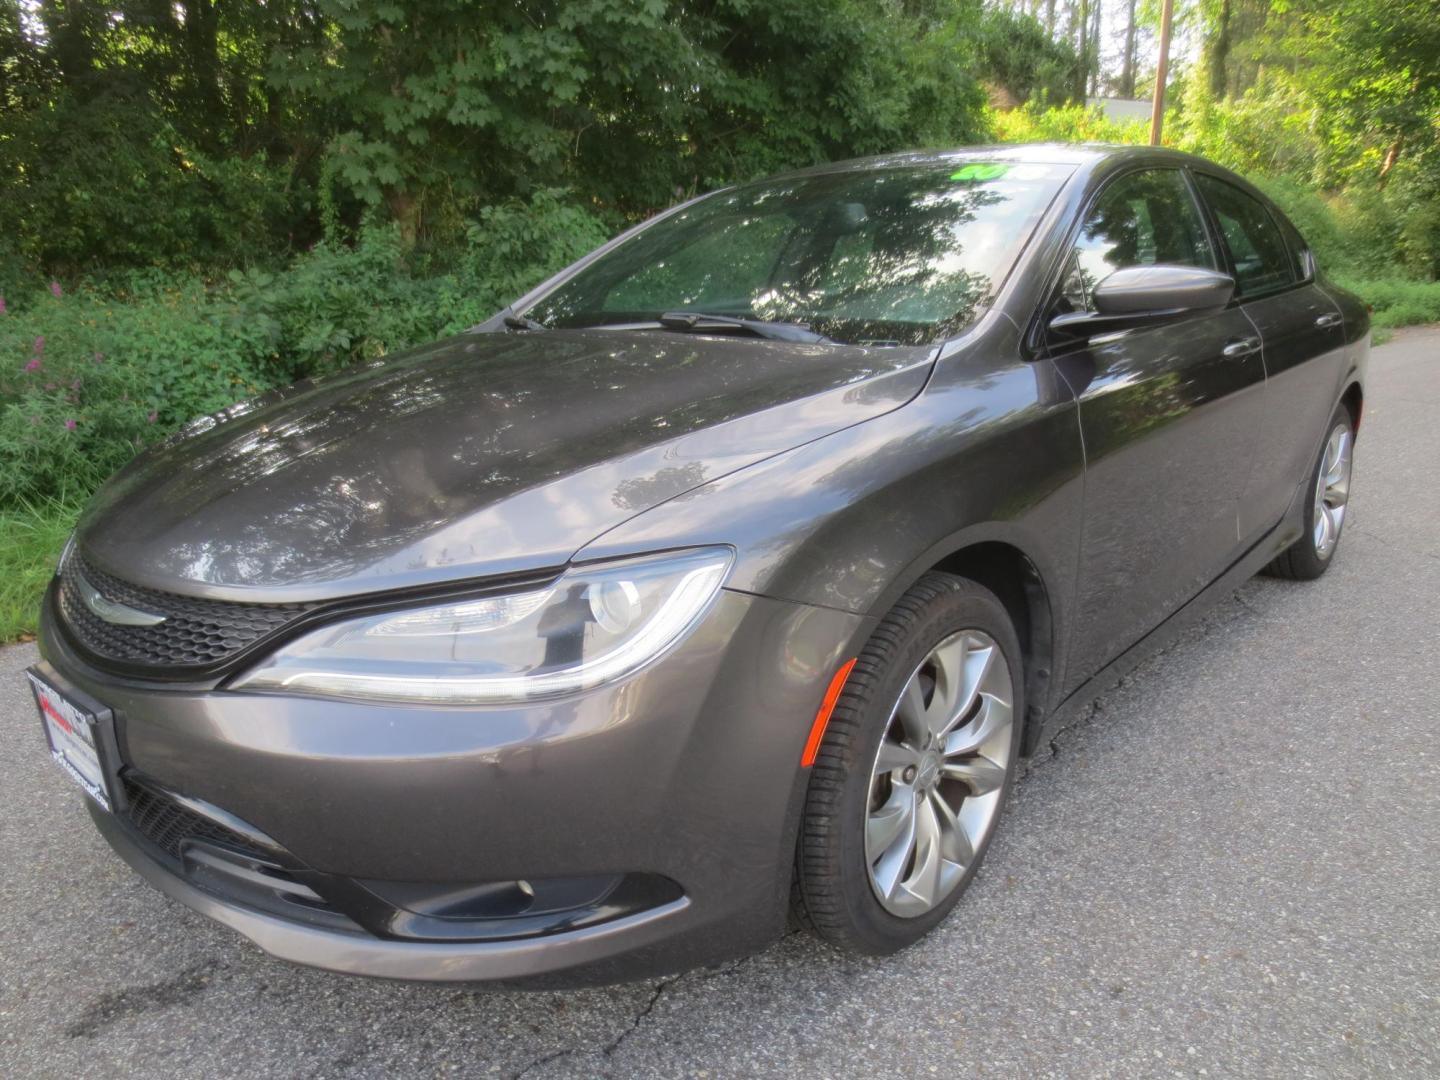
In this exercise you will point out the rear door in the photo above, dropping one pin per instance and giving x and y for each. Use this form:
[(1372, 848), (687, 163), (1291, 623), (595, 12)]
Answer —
[(1169, 416), (1303, 337)]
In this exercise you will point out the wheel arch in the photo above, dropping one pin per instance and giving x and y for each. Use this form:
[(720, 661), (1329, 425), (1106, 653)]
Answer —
[(1354, 400), (1007, 569)]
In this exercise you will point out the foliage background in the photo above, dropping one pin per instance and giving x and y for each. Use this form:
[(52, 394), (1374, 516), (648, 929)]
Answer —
[(201, 199)]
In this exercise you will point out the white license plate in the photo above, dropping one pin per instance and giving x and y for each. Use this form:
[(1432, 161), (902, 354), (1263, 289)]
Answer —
[(74, 739)]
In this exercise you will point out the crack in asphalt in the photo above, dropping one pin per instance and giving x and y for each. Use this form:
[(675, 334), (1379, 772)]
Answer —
[(117, 1005), (608, 1050), (545, 1059), (1385, 541), (1199, 631), (656, 993)]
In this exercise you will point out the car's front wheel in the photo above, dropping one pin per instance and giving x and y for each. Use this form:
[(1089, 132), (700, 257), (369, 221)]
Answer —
[(913, 770)]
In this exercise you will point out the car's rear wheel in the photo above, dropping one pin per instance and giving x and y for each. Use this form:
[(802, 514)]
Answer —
[(914, 769), (1327, 508)]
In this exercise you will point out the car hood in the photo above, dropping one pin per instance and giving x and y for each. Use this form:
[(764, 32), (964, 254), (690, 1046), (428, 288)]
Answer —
[(484, 454)]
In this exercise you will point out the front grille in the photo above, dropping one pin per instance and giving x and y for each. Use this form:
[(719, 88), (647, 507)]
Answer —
[(167, 824), (196, 633)]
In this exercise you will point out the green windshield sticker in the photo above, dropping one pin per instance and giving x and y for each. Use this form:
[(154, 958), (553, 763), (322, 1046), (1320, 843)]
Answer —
[(980, 172)]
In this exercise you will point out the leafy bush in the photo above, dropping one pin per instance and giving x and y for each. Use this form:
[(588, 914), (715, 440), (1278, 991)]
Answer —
[(110, 182), (86, 379), (90, 375), (1396, 303), (340, 303), (1418, 243), (1065, 124), (515, 244), (1273, 130), (1017, 55), (1314, 216)]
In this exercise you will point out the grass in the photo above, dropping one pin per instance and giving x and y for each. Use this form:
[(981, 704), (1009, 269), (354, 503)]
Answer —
[(31, 536), (1398, 303)]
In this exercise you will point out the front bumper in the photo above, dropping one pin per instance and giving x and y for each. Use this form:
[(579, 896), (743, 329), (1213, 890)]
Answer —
[(687, 774), (595, 947)]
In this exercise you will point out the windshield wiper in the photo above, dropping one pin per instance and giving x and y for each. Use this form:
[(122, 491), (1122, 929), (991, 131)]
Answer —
[(695, 321), (522, 322)]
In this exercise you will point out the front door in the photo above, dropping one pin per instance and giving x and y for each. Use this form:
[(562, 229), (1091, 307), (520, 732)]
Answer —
[(1169, 417)]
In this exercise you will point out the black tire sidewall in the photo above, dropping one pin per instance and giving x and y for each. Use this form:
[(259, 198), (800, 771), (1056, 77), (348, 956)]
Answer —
[(1308, 562), (950, 605)]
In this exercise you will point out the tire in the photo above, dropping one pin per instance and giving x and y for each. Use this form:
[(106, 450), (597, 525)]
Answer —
[(1309, 557), (838, 882)]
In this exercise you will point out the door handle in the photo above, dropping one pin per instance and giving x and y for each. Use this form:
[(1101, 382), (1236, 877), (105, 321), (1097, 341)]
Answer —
[(1331, 318), (1242, 347)]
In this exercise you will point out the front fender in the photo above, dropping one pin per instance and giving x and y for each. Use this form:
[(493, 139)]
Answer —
[(991, 450)]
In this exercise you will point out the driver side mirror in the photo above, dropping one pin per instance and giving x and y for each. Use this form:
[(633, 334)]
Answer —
[(1146, 295)]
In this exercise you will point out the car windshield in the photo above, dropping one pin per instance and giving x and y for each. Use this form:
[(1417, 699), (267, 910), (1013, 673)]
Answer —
[(889, 256)]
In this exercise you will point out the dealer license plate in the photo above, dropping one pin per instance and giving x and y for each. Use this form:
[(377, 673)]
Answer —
[(76, 738)]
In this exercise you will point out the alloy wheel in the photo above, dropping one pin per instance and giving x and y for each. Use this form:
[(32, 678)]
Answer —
[(939, 773), (1332, 490)]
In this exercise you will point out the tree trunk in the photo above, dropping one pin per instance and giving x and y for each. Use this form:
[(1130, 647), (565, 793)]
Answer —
[(1392, 155), (202, 24), (1082, 48), (73, 29), (405, 210), (1050, 18), (1099, 10), (1127, 70), (1218, 53)]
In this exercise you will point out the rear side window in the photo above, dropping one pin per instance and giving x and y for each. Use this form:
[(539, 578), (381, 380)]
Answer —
[(1263, 262), (1140, 219)]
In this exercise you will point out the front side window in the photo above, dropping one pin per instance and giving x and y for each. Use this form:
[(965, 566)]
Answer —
[(1262, 261), (900, 255), (1140, 219)]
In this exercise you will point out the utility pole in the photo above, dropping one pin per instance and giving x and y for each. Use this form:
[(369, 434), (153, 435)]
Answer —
[(1157, 111)]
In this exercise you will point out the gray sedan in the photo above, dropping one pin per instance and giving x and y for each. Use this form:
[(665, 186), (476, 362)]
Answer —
[(723, 578)]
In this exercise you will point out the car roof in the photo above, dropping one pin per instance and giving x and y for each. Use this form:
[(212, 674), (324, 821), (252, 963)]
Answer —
[(1075, 154)]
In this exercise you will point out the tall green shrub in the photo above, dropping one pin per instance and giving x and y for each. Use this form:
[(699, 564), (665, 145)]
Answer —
[(88, 376)]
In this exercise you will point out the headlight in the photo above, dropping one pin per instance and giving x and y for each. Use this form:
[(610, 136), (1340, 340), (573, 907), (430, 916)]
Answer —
[(595, 624)]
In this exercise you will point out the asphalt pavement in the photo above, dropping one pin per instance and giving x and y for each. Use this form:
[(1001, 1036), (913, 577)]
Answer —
[(1230, 868)]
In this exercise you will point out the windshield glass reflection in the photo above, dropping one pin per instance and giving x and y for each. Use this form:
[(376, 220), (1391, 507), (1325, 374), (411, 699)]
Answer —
[(901, 255)]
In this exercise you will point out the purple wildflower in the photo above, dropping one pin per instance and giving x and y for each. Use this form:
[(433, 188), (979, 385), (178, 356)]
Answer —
[(2, 305), (55, 289), (33, 365), (69, 425), (152, 417), (74, 384), (40, 345), (99, 358)]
